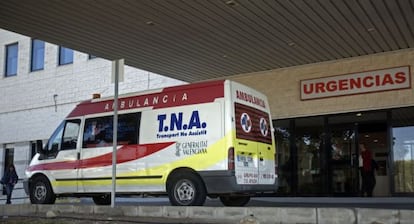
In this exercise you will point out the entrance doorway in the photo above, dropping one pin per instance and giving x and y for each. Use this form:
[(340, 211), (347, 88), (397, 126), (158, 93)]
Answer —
[(343, 160), (374, 136), (346, 133), (318, 156)]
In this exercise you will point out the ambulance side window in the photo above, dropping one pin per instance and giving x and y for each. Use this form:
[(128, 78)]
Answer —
[(128, 129), (70, 135), (64, 137), (56, 139), (99, 131)]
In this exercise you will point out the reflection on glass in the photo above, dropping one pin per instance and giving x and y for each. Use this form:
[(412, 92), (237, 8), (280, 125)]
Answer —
[(38, 55), (282, 135), (309, 144), (403, 152), (344, 170), (11, 59), (65, 56), (342, 142)]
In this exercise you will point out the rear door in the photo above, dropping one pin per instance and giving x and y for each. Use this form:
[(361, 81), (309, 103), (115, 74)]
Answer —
[(254, 145), (246, 147), (254, 151)]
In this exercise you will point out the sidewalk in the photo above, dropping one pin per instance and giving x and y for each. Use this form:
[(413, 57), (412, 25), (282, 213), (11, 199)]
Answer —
[(205, 214)]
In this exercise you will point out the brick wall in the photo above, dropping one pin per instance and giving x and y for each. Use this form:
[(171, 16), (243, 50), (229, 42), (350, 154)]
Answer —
[(282, 86)]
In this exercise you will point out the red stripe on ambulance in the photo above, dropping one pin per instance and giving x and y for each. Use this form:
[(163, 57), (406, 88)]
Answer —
[(169, 97), (124, 154)]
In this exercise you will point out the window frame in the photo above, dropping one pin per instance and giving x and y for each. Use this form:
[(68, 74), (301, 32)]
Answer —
[(7, 58), (60, 58), (103, 128), (34, 54)]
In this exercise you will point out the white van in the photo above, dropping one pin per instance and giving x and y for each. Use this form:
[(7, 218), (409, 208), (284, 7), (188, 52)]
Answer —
[(192, 141)]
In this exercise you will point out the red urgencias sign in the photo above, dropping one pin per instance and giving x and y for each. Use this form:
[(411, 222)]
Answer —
[(356, 83)]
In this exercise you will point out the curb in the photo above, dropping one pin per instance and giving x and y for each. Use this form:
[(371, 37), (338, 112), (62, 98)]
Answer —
[(216, 214)]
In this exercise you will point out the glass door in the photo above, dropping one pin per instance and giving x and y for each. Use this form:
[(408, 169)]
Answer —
[(402, 162), (343, 161)]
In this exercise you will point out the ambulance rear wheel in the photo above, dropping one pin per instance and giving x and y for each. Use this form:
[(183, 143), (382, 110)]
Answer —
[(103, 199), (186, 189), (41, 192), (234, 200)]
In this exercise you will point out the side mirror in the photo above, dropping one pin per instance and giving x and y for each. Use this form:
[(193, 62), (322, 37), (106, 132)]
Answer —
[(39, 146)]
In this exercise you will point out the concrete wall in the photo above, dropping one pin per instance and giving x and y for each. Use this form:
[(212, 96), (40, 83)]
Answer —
[(282, 86), (247, 215)]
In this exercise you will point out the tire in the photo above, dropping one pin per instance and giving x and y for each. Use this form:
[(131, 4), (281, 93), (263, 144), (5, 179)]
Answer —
[(186, 189), (41, 192), (103, 199), (234, 200)]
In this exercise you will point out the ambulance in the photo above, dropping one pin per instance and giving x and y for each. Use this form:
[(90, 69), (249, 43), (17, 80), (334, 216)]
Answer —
[(209, 139)]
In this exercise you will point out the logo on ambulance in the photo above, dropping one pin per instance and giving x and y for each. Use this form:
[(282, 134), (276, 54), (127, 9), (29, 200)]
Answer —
[(246, 122), (180, 124), (264, 129)]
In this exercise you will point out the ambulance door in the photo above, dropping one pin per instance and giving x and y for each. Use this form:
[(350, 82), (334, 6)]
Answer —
[(62, 147), (266, 148), (254, 149), (95, 174), (97, 150), (246, 154)]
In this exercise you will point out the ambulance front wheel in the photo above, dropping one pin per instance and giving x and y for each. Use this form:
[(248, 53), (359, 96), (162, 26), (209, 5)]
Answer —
[(186, 189), (41, 192)]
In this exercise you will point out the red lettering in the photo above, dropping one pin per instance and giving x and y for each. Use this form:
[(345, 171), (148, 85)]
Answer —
[(306, 90), (377, 80), (355, 83), (368, 81), (331, 86), (343, 84), (400, 77), (320, 87), (387, 80), (250, 98)]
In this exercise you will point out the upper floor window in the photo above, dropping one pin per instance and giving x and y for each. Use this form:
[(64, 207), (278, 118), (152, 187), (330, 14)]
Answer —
[(65, 56), (11, 59), (38, 55)]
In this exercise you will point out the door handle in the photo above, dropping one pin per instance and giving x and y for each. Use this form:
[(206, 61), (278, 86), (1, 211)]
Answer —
[(242, 143)]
